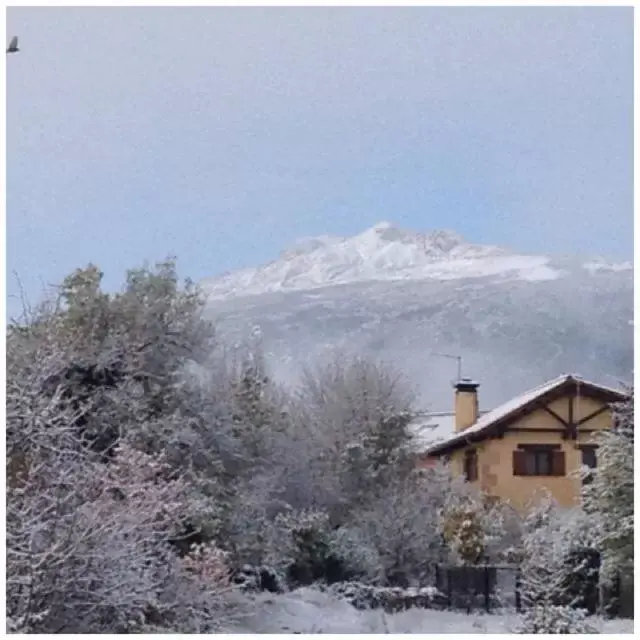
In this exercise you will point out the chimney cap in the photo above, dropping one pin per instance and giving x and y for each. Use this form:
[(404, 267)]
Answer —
[(466, 384)]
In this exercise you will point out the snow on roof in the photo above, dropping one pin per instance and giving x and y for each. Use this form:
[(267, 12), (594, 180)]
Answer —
[(513, 405), (429, 429)]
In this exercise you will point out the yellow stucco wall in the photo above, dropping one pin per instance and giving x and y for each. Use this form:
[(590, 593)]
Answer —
[(495, 456)]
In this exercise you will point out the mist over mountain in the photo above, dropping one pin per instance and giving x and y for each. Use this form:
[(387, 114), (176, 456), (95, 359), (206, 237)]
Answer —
[(408, 296)]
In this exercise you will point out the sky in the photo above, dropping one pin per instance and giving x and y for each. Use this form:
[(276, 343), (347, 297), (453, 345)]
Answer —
[(221, 135)]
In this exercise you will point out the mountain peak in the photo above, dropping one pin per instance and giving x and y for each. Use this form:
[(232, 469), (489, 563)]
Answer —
[(379, 236), (382, 225), (435, 243), (383, 252), (445, 239)]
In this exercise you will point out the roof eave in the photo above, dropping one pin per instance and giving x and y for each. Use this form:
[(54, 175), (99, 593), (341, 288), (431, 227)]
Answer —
[(472, 438)]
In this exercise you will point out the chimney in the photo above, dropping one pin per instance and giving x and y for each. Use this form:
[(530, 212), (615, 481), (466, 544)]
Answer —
[(466, 403)]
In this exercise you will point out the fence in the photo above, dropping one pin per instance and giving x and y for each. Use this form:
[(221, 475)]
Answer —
[(618, 598), (490, 587), (479, 587)]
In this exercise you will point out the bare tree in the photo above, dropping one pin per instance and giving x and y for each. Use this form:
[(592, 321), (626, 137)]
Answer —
[(353, 415), (400, 529)]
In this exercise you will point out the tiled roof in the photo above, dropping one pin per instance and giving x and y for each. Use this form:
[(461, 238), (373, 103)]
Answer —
[(514, 405)]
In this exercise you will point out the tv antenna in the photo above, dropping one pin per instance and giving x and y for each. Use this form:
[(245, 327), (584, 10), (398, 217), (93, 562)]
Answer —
[(452, 357)]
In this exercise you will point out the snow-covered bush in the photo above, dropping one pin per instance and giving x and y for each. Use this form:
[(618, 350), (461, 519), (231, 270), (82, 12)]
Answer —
[(477, 528), (463, 532), (301, 546), (261, 578), (551, 619), (88, 548), (390, 599), (559, 576), (399, 530), (358, 553)]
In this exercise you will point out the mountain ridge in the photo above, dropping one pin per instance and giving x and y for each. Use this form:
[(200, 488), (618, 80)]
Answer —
[(385, 252)]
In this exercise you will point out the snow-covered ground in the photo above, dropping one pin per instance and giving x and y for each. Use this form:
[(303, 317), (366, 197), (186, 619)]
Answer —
[(309, 611)]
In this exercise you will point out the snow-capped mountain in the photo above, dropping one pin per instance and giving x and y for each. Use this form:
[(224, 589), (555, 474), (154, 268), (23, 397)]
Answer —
[(381, 253), (407, 296)]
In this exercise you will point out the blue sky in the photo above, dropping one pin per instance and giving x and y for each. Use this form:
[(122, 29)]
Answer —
[(220, 135)]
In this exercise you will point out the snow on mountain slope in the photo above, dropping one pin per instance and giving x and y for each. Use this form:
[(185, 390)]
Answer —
[(603, 265), (383, 253)]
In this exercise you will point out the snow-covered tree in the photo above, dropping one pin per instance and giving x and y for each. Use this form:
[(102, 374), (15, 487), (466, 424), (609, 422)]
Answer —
[(345, 452), (397, 534), (356, 412), (113, 459), (88, 540), (558, 547), (608, 491), (143, 336)]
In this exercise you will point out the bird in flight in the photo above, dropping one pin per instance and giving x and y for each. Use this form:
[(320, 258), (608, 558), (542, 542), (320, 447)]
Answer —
[(13, 45)]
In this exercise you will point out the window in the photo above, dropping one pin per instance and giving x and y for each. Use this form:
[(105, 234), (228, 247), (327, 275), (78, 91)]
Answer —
[(538, 460), (471, 465), (538, 463), (589, 459)]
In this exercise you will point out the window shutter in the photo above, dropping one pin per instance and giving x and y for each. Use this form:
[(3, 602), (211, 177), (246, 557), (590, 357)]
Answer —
[(475, 466), (519, 463), (557, 463)]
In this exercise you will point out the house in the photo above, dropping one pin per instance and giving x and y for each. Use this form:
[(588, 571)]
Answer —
[(533, 442)]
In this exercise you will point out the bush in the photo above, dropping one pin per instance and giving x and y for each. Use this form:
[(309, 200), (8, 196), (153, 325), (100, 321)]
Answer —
[(464, 533), (391, 599), (88, 550), (263, 578), (301, 546), (547, 618)]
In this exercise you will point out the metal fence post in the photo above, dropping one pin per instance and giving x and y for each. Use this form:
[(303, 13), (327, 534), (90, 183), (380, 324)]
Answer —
[(487, 589), (470, 592)]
